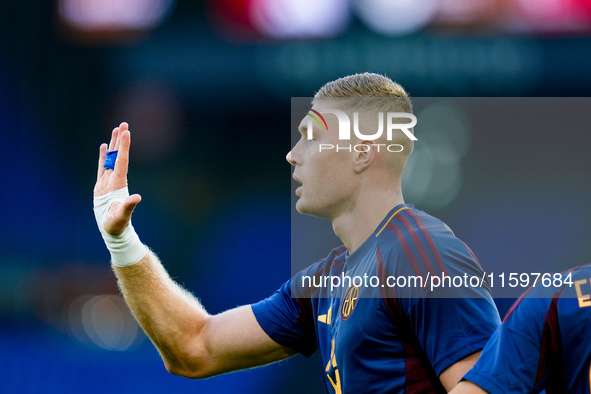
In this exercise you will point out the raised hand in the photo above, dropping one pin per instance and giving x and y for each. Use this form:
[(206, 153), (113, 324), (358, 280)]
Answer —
[(119, 214)]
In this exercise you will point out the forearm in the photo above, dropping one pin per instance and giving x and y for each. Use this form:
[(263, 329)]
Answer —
[(173, 319), (191, 343), (466, 387), (452, 375)]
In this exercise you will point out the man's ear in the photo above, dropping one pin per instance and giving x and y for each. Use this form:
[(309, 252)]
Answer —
[(365, 152)]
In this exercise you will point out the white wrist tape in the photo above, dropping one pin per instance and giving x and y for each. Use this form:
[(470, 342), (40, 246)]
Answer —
[(126, 248)]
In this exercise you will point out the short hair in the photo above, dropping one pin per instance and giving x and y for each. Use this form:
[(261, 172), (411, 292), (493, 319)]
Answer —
[(375, 93), (367, 90)]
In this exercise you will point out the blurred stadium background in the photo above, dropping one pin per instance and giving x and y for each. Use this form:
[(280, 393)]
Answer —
[(206, 88)]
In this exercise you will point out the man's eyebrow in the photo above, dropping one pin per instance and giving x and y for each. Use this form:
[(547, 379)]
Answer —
[(303, 129)]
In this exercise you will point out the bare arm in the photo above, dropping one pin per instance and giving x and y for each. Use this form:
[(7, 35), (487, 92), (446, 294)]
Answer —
[(466, 387), (192, 343), (452, 374)]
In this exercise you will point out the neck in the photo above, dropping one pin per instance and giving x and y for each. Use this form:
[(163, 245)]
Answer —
[(357, 224)]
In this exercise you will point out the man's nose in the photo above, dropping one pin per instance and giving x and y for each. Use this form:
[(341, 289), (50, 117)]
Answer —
[(290, 159)]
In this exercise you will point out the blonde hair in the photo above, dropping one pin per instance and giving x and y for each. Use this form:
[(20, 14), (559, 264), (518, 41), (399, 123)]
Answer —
[(367, 90), (372, 93)]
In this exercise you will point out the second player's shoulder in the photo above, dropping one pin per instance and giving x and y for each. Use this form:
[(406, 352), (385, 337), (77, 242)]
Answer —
[(576, 288), (577, 273), (565, 291), (566, 284)]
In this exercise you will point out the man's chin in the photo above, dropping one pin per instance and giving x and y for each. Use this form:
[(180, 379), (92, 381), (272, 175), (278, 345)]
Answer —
[(306, 209), (300, 206)]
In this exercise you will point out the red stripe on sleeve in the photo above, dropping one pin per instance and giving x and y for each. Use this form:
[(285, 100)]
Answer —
[(417, 242), (409, 255), (430, 242)]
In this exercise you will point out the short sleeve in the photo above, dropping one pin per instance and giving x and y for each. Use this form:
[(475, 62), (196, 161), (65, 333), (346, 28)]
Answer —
[(450, 329), (288, 321), (451, 313), (509, 362)]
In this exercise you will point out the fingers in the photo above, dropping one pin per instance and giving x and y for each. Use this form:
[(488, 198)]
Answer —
[(101, 161), (122, 127), (122, 162), (114, 138), (120, 140)]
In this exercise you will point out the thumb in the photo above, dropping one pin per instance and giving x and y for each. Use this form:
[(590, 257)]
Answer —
[(129, 205), (119, 214)]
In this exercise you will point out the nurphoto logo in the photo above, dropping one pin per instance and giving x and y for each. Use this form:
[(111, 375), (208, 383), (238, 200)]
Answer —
[(392, 119)]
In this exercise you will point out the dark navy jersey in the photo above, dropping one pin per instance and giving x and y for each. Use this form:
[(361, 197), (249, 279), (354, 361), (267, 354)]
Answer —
[(392, 332), (542, 343)]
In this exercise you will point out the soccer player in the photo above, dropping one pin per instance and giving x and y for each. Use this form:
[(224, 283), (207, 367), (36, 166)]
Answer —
[(542, 343), (392, 337)]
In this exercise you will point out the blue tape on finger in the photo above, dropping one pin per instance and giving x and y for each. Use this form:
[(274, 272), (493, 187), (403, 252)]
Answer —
[(110, 161)]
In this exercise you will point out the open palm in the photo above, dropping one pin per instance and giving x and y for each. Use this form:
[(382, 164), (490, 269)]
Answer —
[(108, 180)]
